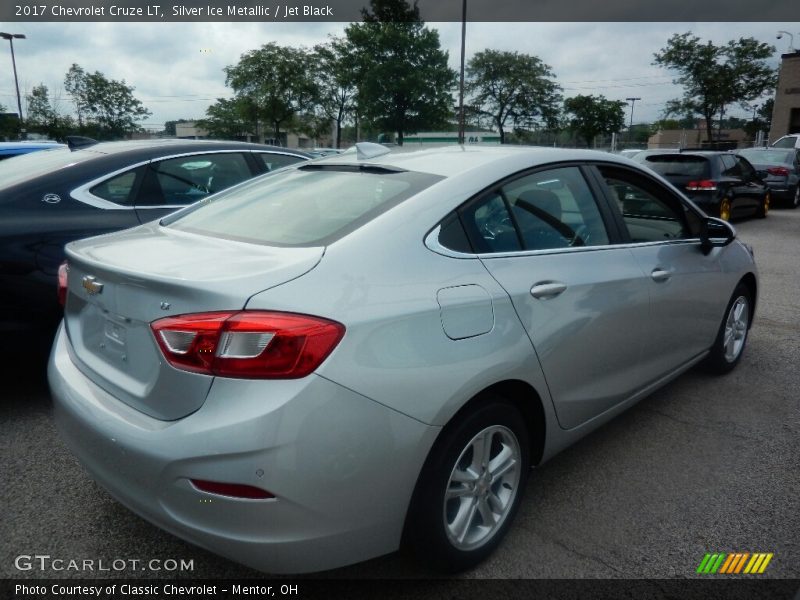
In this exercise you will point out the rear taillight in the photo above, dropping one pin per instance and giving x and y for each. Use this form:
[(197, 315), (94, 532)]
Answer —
[(247, 344), (63, 276), (706, 185), (779, 171)]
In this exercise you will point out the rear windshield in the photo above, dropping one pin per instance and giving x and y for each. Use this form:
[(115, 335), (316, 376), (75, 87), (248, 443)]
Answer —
[(763, 157), (26, 166), (679, 165), (308, 206), (787, 142)]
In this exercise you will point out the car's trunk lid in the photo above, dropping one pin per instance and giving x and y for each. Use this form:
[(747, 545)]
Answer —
[(120, 283)]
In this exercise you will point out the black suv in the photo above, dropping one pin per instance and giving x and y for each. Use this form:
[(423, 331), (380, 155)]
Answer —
[(52, 197), (721, 183)]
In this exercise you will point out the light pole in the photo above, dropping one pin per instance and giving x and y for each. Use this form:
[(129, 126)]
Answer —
[(630, 127), (10, 37), (461, 83), (791, 39)]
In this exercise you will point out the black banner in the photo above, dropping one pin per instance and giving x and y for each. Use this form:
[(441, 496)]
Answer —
[(430, 10), (460, 589)]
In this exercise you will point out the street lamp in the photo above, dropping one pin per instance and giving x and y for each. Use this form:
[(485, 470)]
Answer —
[(10, 37), (791, 39), (630, 127), (461, 82)]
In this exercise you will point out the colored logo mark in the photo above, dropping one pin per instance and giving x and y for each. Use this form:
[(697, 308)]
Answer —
[(734, 563)]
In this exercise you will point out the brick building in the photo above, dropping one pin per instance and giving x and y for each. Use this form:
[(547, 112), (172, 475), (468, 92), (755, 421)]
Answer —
[(786, 114)]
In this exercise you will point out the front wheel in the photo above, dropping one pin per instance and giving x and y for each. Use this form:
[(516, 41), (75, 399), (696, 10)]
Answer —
[(470, 488), (732, 336)]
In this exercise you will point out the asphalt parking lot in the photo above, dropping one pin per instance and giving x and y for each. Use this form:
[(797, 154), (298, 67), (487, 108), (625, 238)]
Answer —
[(707, 464)]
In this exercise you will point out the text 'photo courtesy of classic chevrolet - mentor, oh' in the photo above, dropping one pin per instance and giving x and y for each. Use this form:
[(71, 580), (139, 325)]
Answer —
[(373, 349)]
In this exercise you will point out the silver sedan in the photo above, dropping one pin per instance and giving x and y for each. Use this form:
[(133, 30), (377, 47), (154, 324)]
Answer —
[(372, 350)]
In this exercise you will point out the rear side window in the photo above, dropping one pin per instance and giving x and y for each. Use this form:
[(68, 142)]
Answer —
[(787, 142), (301, 207), (764, 157), (118, 189), (541, 211), (679, 165)]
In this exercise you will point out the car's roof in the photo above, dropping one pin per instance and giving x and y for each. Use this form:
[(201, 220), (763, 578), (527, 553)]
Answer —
[(452, 160), (178, 145)]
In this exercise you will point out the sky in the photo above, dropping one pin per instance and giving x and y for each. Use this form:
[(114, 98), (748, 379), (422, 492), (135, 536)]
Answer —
[(177, 68)]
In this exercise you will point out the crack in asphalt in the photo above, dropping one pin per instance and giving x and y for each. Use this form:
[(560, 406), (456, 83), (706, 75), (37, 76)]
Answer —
[(563, 545), (712, 425)]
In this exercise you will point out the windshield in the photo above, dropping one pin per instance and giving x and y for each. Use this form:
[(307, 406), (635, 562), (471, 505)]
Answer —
[(26, 166), (301, 207)]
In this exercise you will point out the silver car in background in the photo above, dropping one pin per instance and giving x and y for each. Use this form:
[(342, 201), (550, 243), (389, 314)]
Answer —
[(373, 349)]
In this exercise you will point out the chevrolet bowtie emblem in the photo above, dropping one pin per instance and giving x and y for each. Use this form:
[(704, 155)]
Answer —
[(91, 285)]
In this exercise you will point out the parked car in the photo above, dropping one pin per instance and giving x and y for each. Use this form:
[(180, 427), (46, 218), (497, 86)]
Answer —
[(368, 349), (720, 183), (50, 198), (780, 170), (787, 141), (9, 149), (319, 152)]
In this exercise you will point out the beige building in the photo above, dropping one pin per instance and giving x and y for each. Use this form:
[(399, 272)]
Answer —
[(786, 113), (694, 138)]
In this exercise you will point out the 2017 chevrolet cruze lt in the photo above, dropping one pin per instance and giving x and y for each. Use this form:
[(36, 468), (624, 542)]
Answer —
[(373, 349)]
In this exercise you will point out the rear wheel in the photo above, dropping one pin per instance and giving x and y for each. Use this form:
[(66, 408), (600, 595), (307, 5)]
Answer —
[(795, 201), (732, 336), (725, 209), (470, 488), (763, 208)]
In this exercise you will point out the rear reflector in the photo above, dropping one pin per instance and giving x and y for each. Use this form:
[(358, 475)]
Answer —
[(779, 171), (234, 490), (63, 276), (247, 344), (704, 185)]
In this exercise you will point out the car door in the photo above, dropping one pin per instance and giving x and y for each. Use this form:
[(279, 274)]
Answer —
[(581, 299), (742, 191), (684, 284), (753, 187), (174, 182)]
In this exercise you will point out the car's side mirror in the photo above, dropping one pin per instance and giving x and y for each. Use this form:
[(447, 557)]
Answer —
[(715, 233)]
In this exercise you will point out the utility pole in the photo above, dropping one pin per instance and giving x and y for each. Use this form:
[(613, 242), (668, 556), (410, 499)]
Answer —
[(10, 37), (461, 84), (630, 127)]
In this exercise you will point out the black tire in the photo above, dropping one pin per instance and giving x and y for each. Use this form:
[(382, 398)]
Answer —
[(433, 520), (794, 201), (726, 353), (763, 208)]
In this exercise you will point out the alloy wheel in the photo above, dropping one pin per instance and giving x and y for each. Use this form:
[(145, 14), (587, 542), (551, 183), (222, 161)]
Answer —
[(736, 329), (725, 209), (482, 487)]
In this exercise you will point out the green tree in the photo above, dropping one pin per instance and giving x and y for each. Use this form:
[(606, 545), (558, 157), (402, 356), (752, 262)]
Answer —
[(510, 88), (230, 119), (43, 117), (277, 80), (106, 107), (589, 116), (714, 77), (336, 78), (404, 83)]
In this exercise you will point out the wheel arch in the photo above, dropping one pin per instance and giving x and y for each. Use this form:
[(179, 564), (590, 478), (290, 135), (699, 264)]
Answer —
[(749, 281)]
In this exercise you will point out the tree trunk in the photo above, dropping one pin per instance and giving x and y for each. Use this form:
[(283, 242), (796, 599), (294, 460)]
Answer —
[(277, 133), (400, 137), (709, 128)]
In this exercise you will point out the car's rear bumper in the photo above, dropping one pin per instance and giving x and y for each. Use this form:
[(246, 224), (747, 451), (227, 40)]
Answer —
[(342, 467)]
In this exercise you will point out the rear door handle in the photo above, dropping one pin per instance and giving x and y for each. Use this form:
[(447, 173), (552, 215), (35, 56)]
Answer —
[(660, 275), (548, 289)]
